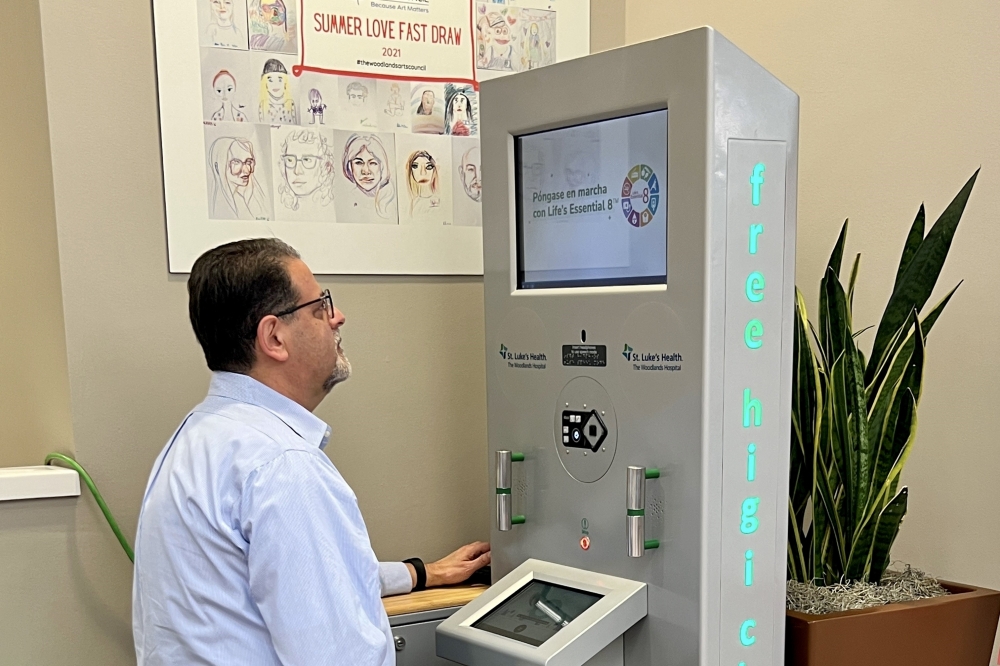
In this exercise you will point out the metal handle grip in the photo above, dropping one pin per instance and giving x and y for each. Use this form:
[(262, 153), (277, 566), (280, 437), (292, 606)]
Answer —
[(635, 510), (505, 504)]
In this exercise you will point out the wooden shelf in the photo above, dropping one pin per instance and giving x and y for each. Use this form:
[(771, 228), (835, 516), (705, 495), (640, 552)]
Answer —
[(435, 599)]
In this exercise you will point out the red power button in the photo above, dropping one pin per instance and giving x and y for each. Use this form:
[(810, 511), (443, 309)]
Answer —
[(585, 542)]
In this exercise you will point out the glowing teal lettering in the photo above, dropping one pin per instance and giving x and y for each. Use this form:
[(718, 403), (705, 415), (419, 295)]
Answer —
[(745, 638), (755, 287), (751, 405), (755, 230), (753, 333)]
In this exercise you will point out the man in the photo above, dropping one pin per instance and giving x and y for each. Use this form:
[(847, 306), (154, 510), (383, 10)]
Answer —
[(250, 547), (470, 174)]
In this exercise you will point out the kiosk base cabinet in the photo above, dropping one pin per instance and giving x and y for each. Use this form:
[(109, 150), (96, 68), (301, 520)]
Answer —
[(413, 636)]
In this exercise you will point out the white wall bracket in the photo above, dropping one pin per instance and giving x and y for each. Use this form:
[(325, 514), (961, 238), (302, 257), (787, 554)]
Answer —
[(38, 482)]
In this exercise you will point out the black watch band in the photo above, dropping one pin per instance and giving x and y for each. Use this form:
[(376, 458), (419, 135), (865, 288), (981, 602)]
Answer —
[(418, 566)]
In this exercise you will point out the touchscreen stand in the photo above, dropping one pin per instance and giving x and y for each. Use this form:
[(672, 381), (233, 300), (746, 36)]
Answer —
[(545, 614)]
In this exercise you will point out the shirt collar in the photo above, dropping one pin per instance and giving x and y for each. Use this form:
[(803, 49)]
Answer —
[(244, 388)]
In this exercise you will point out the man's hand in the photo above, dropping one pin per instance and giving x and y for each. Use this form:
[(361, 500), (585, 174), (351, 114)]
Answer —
[(458, 566)]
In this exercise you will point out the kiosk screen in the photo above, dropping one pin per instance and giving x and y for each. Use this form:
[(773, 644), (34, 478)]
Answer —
[(536, 612), (592, 204)]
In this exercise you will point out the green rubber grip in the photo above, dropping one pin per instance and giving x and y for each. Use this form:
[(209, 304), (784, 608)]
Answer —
[(652, 473), (517, 457), (517, 520), (503, 491), (635, 512), (650, 544)]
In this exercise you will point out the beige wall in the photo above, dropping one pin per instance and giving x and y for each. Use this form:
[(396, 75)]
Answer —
[(900, 104), (34, 385)]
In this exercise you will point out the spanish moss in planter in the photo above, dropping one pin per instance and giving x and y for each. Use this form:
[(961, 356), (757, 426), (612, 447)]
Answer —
[(896, 586)]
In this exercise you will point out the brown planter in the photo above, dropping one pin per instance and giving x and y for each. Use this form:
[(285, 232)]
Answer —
[(956, 630)]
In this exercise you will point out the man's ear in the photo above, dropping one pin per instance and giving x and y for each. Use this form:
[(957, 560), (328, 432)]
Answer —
[(271, 340)]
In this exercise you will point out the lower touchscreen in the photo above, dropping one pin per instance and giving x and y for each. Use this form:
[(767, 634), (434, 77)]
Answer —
[(536, 612)]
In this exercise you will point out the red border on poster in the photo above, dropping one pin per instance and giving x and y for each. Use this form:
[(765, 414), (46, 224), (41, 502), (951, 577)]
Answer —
[(303, 67)]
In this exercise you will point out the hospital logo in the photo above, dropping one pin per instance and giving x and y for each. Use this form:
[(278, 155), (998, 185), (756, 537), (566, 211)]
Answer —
[(503, 351), (627, 353), (640, 195)]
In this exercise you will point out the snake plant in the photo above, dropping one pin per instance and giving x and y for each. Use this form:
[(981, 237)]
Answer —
[(854, 419)]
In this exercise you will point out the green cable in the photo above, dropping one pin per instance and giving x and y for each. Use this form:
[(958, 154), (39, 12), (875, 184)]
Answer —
[(97, 496)]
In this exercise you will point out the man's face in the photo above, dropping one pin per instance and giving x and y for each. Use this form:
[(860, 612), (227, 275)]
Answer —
[(500, 31), (304, 166), (356, 96), (367, 170), (470, 174), (315, 356)]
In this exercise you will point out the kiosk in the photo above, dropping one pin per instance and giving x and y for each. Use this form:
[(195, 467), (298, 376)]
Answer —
[(639, 253)]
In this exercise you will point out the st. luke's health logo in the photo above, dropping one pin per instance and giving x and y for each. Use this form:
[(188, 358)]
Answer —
[(640, 195)]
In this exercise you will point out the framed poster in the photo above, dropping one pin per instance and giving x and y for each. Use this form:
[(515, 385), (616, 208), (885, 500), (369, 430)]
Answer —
[(348, 128)]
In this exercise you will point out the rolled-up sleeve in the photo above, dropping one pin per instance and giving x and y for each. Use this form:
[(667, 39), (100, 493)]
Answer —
[(312, 571), (395, 578)]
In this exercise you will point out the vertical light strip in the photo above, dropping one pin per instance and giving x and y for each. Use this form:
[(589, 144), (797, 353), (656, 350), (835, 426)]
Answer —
[(752, 428)]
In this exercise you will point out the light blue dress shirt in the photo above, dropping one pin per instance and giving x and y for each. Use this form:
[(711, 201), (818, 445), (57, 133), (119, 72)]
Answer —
[(251, 549)]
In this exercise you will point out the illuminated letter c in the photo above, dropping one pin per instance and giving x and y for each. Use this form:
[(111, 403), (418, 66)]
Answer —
[(745, 636)]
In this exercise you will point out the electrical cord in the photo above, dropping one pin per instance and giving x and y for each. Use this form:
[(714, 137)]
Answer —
[(97, 496)]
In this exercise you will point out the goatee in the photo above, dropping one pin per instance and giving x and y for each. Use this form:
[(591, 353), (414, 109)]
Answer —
[(340, 373)]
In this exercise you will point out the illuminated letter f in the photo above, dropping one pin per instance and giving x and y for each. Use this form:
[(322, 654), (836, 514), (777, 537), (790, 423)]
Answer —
[(756, 180)]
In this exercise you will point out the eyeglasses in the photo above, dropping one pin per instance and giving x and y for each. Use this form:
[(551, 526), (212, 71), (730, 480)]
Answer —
[(236, 166), (325, 298), (307, 161)]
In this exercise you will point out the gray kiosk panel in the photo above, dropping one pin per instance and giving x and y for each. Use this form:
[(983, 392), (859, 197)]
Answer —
[(626, 333)]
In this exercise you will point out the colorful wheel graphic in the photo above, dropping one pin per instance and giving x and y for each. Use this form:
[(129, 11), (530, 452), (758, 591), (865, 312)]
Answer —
[(640, 195)]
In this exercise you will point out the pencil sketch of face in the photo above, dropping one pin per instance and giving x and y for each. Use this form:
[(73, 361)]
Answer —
[(356, 93), (499, 32), (276, 84), (315, 98), (241, 164), (422, 174), (470, 174), (366, 170), (306, 163), (233, 164), (224, 85), (426, 107), (223, 10), (366, 164)]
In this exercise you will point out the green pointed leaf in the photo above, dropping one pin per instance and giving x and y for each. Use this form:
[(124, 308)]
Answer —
[(913, 241), (895, 363), (877, 414), (837, 256), (837, 555), (857, 559), (858, 437), (805, 399), (797, 568), (921, 274), (853, 281), (886, 532)]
